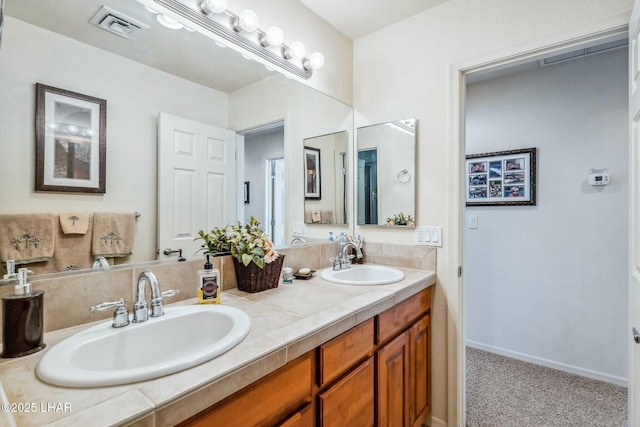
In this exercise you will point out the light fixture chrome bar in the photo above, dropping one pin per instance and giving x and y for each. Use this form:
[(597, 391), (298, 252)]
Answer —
[(234, 37)]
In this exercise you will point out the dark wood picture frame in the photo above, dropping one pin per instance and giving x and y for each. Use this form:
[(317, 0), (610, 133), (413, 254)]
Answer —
[(501, 178), (312, 178), (71, 141)]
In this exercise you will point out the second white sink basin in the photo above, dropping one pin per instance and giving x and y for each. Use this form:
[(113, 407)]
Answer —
[(367, 274), (184, 337)]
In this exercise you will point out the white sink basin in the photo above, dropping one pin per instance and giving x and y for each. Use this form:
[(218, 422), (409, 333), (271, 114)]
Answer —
[(367, 274), (184, 337)]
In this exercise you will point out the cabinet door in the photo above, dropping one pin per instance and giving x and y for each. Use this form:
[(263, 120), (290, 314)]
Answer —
[(393, 382), (301, 418), (419, 371), (350, 401)]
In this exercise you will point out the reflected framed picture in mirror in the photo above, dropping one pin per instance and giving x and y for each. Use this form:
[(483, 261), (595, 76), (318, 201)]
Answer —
[(312, 173), (70, 141)]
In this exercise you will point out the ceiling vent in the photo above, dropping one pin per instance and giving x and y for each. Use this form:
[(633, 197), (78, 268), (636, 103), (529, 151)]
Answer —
[(118, 23), (580, 53)]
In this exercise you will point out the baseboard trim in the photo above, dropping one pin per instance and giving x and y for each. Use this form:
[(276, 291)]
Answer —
[(550, 363), (435, 422)]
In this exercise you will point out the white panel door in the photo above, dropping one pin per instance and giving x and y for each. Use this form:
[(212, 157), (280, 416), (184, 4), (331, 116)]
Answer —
[(196, 182), (634, 215)]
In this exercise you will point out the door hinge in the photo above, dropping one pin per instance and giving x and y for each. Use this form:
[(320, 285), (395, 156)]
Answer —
[(459, 271)]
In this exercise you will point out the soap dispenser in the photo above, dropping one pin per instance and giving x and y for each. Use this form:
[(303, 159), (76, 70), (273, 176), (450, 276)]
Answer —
[(22, 319)]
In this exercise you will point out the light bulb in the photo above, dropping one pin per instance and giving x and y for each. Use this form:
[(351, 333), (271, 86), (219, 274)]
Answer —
[(315, 61), (246, 21), (273, 37), (295, 51), (212, 6), (168, 21)]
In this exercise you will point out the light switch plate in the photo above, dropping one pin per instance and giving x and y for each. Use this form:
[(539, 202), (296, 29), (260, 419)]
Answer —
[(428, 236), (298, 229), (472, 222)]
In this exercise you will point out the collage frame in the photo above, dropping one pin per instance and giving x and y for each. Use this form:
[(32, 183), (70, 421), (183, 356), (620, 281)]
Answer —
[(501, 178)]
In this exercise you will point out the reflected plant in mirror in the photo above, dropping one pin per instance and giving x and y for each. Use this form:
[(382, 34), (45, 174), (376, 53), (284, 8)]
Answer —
[(385, 173)]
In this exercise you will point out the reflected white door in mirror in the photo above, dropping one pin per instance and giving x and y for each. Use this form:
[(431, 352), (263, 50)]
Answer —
[(196, 181)]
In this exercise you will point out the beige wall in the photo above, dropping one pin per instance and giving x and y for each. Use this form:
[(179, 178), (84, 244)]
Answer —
[(404, 70)]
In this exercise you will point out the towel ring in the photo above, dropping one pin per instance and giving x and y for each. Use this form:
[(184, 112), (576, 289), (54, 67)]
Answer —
[(404, 176)]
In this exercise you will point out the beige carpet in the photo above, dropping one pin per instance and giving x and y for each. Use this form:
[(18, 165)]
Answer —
[(505, 392)]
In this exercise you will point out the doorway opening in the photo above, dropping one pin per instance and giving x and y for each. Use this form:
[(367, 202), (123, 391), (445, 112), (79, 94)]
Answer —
[(507, 276), (368, 186), (263, 176), (275, 200)]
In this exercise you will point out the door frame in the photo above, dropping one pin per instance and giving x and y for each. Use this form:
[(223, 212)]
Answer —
[(595, 33)]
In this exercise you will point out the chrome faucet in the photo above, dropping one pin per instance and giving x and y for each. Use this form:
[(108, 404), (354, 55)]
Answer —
[(297, 239), (101, 262), (342, 259), (140, 310)]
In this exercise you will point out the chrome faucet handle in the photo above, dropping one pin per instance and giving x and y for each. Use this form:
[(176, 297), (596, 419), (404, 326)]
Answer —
[(170, 293), (335, 262), (120, 315), (157, 304)]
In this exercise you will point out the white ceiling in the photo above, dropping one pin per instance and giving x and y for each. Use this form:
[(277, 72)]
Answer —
[(356, 18)]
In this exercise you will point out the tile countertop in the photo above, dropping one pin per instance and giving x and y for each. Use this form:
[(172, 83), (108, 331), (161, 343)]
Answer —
[(286, 322)]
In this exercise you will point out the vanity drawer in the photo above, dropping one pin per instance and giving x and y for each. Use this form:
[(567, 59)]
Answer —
[(341, 353), (265, 402), (398, 318)]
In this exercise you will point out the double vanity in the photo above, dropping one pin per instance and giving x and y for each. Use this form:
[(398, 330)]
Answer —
[(294, 355)]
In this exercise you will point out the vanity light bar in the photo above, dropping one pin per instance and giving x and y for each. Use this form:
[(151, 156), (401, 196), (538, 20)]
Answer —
[(236, 38)]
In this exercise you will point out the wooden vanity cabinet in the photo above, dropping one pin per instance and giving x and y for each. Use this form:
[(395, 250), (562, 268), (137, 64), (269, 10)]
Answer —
[(420, 371), (403, 363), (377, 373), (271, 401), (349, 401), (393, 388)]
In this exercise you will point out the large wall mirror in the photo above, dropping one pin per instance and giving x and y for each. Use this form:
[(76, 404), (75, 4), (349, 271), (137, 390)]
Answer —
[(386, 174), (325, 172), (162, 70)]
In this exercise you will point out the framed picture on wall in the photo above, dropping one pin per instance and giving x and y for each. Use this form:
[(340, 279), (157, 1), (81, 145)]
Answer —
[(312, 173), (70, 141), (502, 178)]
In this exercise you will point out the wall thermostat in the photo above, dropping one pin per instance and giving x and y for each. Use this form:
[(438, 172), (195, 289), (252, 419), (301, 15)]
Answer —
[(598, 177)]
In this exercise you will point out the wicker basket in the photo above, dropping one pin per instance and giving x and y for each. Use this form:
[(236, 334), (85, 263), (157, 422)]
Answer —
[(254, 279)]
